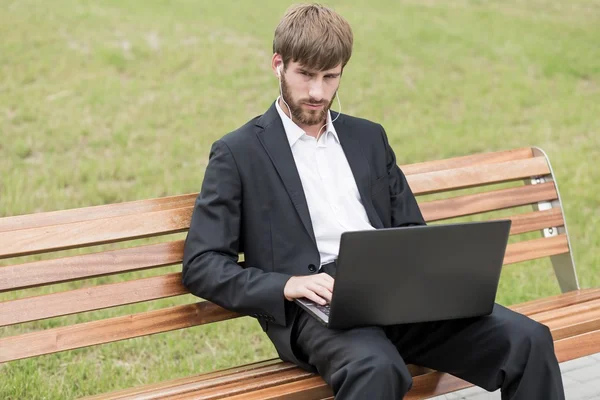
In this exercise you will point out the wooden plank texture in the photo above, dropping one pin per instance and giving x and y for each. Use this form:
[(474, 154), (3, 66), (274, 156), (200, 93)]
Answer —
[(210, 379), (90, 298), (248, 387), (93, 232), (489, 201), (38, 273), (578, 346), (311, 388), (466, 161), (36, 220), (466, 177), (536, 248), (536, 220), (110, 330), (572, 320), (554, 302)]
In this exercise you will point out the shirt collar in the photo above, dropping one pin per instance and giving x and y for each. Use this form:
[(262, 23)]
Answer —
[(294, 132)]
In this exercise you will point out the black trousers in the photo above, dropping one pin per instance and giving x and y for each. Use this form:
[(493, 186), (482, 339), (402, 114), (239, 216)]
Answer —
[(504, 350)]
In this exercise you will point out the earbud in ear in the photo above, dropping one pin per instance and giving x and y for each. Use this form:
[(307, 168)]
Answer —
[(279, 71)]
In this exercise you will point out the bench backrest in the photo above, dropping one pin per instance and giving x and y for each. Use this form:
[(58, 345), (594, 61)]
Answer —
[(494, 181)]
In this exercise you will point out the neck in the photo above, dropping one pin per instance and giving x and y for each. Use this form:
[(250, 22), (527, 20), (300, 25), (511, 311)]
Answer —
[(311, 130)]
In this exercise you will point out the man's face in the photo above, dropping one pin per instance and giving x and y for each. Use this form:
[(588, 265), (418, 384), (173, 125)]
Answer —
[(309, 93)]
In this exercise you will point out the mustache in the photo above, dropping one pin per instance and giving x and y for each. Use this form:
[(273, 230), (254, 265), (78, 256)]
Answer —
[(314, 103)]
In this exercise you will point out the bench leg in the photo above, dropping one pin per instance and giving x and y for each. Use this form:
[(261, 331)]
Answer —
[(563, 264)]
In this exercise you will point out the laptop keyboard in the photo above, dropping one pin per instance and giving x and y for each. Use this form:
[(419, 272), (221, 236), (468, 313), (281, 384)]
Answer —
[(324, 309)]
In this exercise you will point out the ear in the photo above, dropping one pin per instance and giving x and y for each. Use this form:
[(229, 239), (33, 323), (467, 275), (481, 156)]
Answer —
[(277, 64)]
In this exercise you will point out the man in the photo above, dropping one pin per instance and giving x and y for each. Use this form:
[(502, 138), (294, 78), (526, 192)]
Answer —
[(282, 189)]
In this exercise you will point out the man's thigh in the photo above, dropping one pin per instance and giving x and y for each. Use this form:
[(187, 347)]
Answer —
[(330, 350), (475, 349)]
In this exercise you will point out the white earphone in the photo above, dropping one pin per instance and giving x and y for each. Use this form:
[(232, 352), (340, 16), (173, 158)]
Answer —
[(281, 92)]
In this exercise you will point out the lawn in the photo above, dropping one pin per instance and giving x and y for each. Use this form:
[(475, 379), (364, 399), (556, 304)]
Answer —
[(114, 101)]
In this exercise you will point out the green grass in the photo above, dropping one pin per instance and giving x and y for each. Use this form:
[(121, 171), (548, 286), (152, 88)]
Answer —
[(120, 100)]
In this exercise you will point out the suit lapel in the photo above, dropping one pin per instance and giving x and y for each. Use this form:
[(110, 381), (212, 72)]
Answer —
[(275, 142), (360, 169)]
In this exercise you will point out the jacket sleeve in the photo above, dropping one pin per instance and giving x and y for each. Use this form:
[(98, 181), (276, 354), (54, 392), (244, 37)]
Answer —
[(210, 256), (404, 208)]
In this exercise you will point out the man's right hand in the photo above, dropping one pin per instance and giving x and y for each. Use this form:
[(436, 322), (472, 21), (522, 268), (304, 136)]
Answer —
[(317, 288)]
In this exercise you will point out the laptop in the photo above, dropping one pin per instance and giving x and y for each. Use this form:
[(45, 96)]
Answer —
[(415, 274)]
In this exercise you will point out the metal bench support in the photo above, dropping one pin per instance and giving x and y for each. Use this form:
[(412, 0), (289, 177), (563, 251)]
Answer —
[(563, 264)]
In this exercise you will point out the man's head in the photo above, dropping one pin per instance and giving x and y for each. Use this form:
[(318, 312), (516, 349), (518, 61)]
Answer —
[(312, 44)]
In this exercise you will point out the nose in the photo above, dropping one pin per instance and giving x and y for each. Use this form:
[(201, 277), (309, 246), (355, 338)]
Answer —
[(315, 90)]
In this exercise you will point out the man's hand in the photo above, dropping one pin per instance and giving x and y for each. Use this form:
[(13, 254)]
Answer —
[(317, 288)]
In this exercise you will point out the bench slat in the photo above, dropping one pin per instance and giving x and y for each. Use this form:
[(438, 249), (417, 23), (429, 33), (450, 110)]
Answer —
[(311, 388), (591, 306), (110, 330), (562, 300), (247, 371), (67, 269), (535, 221), (578, 346), (461, 206), (466, 177), (585, 318), (93, 232), (90, 299), (50, 218), (245, 387), (196, 383), (536, 248), (465, 161)]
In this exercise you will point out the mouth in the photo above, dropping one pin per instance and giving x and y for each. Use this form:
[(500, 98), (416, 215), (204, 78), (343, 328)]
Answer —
[(313, 106)]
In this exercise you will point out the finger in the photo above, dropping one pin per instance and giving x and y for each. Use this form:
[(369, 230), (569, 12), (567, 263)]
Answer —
[(326, 277), (321, 291), (325, 284), (326, 281), (309, 294)]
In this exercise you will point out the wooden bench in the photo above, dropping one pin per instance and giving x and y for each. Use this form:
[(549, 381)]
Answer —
[(496, 182)]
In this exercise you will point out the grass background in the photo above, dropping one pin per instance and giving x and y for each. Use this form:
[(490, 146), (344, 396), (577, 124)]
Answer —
[(113, 101)]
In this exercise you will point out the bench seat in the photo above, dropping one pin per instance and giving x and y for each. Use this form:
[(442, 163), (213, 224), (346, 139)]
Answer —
[(518, 184), (573, 317)]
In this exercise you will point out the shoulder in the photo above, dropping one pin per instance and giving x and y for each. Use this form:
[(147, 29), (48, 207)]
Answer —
[(242, 136), (362, 129), (361, 123)]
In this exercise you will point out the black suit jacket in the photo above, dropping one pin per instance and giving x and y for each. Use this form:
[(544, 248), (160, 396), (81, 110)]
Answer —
[(252, 202)]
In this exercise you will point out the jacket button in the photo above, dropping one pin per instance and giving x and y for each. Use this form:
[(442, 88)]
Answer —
[(312, 268)]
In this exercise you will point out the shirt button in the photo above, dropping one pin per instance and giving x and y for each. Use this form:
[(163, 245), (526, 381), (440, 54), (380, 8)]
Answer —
[(312, 268)]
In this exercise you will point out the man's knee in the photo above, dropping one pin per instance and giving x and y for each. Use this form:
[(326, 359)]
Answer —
[(541, 338), (384, 369), (530, 336)]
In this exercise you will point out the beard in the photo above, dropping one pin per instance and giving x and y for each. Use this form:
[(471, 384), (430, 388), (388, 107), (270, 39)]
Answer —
[(305, 117)]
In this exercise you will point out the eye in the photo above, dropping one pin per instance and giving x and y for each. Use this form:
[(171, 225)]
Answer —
[(305, 73)]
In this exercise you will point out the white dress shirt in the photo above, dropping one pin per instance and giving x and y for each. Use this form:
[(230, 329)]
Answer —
[(333, 200)]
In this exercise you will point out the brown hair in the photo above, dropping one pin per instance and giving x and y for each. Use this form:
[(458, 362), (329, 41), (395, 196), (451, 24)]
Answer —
[(315, 36)]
